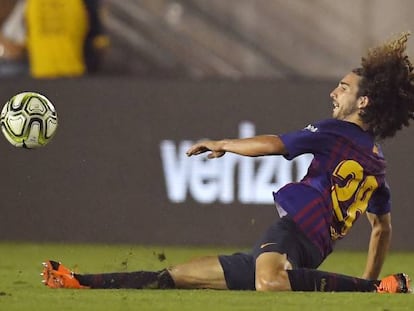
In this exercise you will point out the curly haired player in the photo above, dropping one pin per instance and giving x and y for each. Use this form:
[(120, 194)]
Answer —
[(345, 180)]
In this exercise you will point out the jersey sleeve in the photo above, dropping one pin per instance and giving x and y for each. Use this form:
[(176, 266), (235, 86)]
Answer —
[(380, 202), (311, 139)]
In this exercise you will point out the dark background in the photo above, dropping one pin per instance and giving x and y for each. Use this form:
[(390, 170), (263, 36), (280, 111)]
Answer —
[(101, 178)]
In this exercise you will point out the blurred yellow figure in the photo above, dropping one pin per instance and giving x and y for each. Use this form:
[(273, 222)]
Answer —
[(56, 35)]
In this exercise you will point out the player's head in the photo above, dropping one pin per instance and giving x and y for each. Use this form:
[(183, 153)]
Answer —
[(387, 80), (347, 103)]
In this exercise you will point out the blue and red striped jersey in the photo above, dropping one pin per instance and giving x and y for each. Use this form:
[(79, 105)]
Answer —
[(345, 179)]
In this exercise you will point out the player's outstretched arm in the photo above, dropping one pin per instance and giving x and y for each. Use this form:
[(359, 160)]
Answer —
[(253, 146)]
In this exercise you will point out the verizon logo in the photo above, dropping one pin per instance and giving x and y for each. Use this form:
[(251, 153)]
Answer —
[(228, 179)]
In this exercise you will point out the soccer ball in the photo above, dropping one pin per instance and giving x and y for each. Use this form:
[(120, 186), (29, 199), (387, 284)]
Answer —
[(28, 120)]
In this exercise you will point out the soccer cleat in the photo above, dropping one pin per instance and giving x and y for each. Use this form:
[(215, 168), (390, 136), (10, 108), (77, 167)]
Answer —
[(56, 275), (396, 283)]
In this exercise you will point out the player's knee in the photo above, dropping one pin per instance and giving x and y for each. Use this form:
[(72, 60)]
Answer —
[(271, 272), (275, 282)]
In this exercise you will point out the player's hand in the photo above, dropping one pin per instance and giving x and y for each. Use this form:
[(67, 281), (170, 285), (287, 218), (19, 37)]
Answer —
[(206, 146)]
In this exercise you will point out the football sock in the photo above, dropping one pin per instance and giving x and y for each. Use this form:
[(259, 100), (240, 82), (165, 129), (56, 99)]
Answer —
[(315, 280), (138, 280)]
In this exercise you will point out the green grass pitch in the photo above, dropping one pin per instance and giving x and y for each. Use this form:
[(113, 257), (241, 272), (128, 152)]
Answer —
[(20, 287)]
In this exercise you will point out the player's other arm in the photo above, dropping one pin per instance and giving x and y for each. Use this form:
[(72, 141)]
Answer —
[(378, 245), (253, 146)]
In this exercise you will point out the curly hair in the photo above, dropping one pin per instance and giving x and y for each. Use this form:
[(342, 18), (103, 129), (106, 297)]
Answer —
[(388, 82)]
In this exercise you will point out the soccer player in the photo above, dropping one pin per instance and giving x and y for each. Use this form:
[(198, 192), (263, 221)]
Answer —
[(345, 180)]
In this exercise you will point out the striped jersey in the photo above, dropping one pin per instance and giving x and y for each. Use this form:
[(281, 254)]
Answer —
[(345, 179)]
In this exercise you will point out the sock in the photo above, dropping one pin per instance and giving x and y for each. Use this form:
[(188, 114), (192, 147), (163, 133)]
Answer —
[(138, 280), (315, 280)]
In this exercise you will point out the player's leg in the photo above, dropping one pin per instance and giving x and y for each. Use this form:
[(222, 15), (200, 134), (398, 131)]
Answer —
[(281, 248), (271, 274), (204, 272), (296, 271), (55, 275), (322, 281)]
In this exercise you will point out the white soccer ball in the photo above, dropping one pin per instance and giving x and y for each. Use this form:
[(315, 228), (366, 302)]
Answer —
[(28, 120)]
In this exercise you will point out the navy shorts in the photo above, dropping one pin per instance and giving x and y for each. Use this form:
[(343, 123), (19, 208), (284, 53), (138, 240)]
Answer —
[(284, 237)]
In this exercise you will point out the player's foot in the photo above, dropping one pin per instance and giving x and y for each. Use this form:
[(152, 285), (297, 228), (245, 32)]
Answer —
[(396, 283), (56, 275)]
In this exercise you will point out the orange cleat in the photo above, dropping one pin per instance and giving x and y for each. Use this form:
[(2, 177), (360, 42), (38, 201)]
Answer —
[(396, 283), (56, 275)]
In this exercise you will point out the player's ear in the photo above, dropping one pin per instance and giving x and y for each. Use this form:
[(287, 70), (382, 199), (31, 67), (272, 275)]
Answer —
[(363, 101)]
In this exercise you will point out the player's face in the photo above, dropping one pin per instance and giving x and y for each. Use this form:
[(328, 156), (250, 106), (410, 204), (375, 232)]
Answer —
[(345, 98)]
